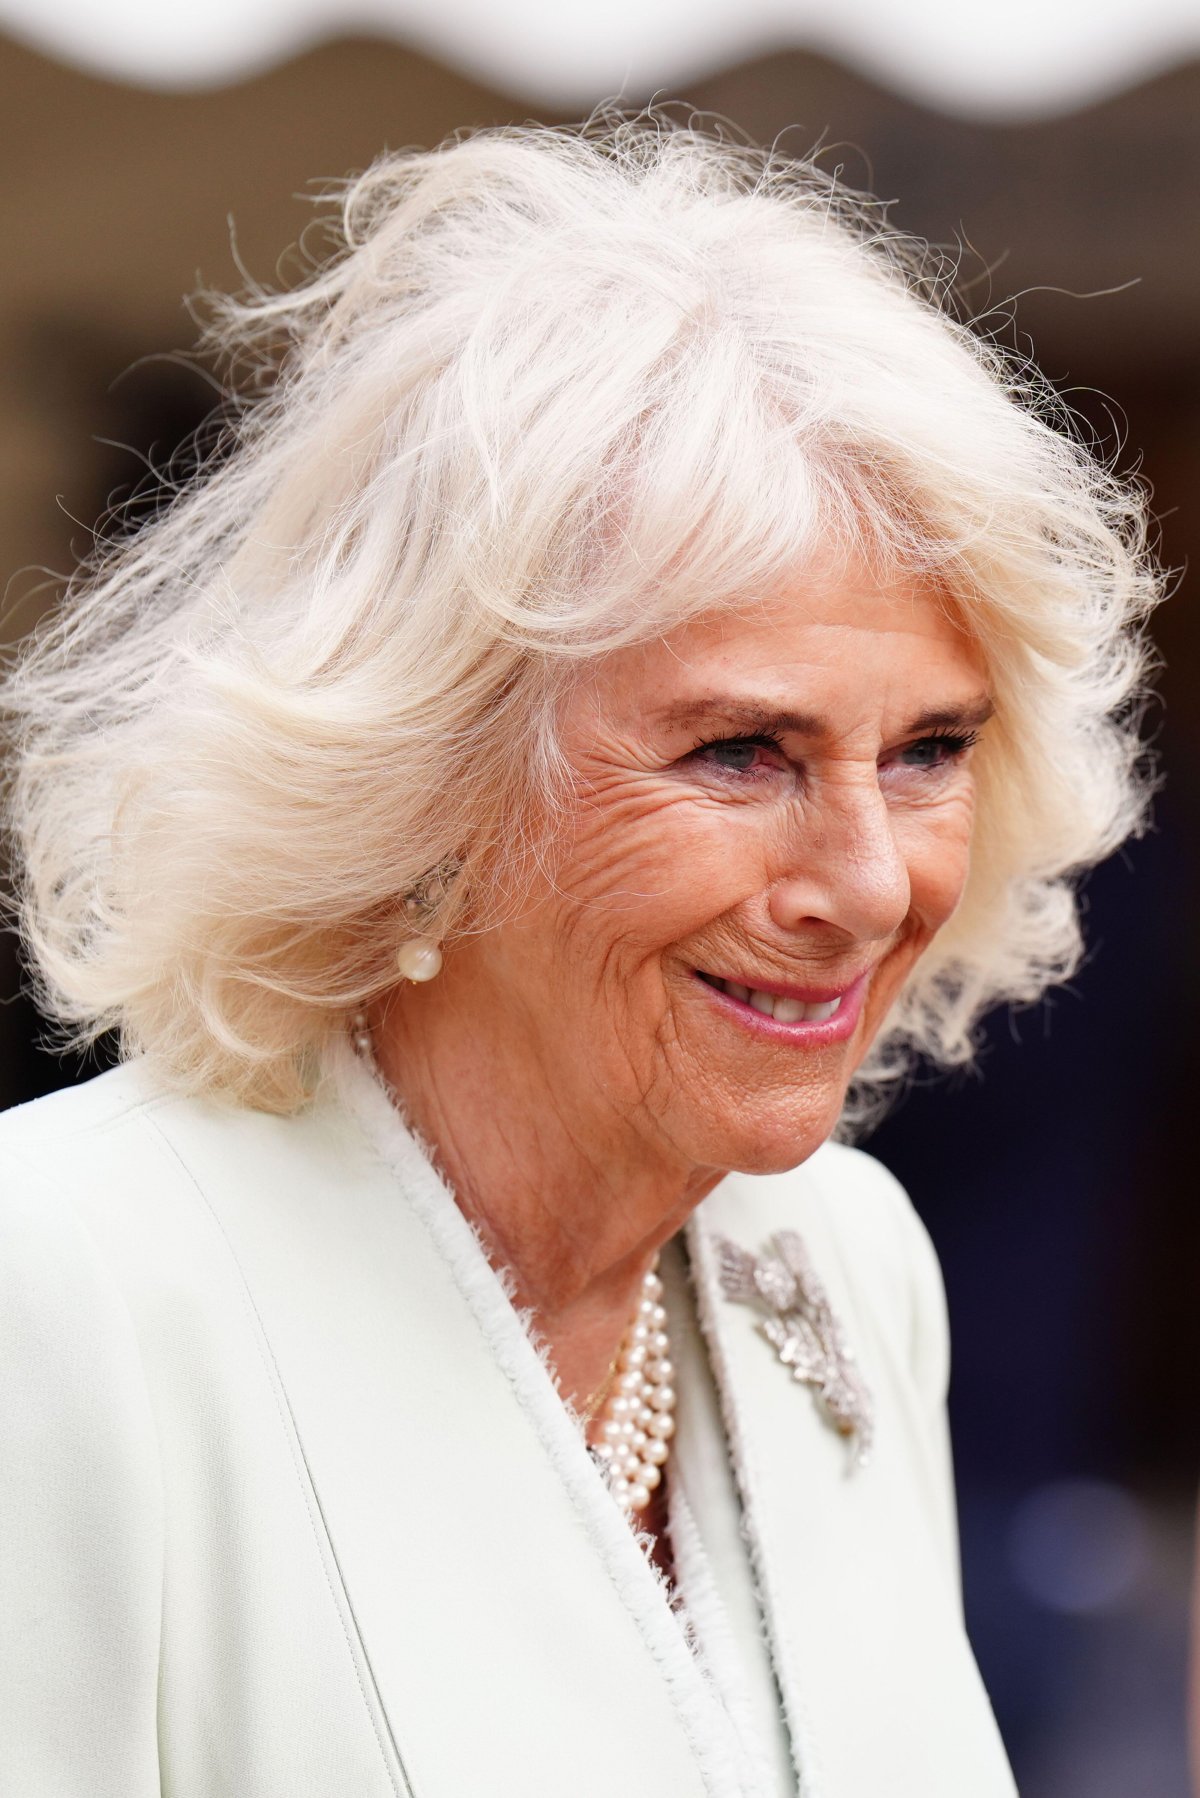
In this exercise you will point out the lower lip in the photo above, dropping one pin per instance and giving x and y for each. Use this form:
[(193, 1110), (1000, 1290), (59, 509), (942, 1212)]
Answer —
[(806, 1033)]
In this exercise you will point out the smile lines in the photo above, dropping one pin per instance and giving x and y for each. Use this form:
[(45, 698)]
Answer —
[(772, 1005)]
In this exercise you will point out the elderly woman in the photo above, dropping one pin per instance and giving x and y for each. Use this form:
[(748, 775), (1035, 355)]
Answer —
[(640, 672)]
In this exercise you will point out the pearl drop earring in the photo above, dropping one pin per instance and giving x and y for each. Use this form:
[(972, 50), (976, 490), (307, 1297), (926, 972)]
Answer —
[(420, 958)]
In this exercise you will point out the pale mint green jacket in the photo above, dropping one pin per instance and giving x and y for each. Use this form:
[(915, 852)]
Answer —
[(290, 1506)]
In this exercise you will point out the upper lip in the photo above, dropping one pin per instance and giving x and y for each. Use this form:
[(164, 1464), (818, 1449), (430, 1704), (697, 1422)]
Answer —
[(807, 995)]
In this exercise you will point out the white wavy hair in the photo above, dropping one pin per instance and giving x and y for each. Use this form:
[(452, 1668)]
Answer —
[(557, 391)]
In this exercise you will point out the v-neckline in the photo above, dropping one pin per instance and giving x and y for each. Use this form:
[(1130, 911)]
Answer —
[(511, 1515)]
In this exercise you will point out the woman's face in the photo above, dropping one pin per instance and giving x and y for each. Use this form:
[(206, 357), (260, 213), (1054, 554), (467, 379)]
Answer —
[(773, 820)]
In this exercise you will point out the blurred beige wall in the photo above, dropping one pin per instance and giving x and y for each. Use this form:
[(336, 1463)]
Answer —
[(117, 202)]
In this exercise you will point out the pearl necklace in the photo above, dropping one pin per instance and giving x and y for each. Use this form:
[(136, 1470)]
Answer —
[(638, 1409), (638, 1414)]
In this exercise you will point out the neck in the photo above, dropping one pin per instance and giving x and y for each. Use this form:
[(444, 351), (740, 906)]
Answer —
[(571, 1203)]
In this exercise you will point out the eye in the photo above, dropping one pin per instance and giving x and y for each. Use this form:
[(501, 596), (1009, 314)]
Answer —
[(740, 755), (937, 750)]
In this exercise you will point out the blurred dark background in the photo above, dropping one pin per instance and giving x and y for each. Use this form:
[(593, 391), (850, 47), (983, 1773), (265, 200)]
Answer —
[(1054, 1177)]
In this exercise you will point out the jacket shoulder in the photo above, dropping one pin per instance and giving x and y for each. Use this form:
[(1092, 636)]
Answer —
[(865, 1190), (63, 1157), (75, 1111), (79, 1154), (153, 1176), (881, 1232), (98, 1136), (868, 1209), (849, 1196)]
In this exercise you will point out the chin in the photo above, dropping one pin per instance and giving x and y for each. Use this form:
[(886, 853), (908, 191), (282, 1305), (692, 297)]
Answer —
[(770, 1142)]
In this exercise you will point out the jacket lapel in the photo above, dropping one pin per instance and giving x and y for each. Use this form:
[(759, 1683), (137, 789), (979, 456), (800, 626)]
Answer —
[(878, 1681), (516, 1636)]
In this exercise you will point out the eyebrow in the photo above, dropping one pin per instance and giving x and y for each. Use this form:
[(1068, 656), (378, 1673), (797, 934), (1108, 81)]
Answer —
[(756, 719)]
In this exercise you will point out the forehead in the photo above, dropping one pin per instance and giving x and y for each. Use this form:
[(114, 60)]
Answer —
[(853, 640)]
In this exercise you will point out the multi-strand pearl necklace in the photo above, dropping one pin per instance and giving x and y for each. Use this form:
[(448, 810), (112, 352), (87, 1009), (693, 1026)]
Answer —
[(637, 1411), (638, 1414)]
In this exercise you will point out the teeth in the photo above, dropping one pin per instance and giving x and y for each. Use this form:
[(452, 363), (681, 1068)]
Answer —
[(784, 1011)]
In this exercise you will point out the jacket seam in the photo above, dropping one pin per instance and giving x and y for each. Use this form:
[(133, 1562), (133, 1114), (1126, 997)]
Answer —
[(312, 1504)]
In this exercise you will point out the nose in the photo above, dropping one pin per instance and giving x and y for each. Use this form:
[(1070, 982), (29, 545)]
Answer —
[(844, 869)]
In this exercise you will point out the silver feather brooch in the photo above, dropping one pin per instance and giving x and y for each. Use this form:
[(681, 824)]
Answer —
[(799, 1323)]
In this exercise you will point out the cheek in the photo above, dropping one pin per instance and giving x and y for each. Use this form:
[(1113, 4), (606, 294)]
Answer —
[(656, 857), (937, 851)]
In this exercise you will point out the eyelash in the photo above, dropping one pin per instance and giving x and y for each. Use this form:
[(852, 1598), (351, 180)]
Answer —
[(762, 740), (954, 743)]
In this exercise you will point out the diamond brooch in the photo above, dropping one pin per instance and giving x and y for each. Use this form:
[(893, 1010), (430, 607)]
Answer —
[(799, 1323)]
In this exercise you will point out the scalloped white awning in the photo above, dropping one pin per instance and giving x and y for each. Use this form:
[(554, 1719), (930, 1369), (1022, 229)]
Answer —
[(1018, 58)]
